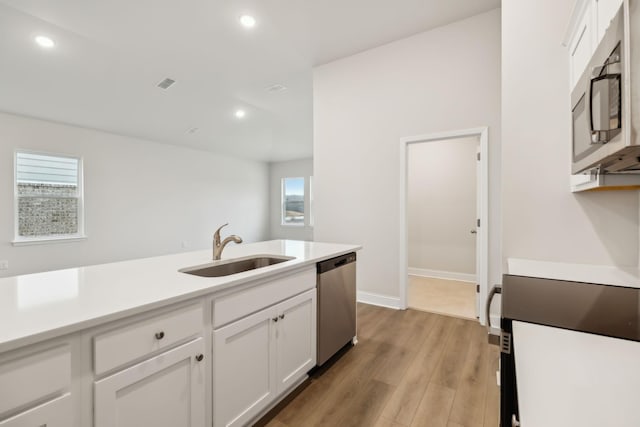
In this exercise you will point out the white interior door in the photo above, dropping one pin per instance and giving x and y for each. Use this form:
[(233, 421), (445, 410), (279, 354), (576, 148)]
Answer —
[(482, 208), (479, 302)]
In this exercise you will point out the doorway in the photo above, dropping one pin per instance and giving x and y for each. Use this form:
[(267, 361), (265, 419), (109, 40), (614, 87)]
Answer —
[(444, 237)]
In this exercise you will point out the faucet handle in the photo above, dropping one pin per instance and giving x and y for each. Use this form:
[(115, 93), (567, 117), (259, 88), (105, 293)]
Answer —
[(217, 232)]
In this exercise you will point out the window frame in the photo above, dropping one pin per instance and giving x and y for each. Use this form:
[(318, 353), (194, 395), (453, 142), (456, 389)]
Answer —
[(283, 202), (59, 238)]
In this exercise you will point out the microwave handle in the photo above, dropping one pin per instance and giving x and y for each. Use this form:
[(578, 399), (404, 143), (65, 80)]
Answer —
[(596, 133), (588, 99)]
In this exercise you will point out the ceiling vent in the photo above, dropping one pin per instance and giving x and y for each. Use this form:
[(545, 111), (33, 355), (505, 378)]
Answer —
[(276, 88), (166, 83)]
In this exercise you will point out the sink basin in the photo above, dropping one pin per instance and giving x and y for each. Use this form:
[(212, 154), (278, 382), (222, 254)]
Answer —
[(233, 266)]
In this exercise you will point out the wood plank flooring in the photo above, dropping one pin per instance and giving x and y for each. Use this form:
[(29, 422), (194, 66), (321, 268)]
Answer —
[(410, 368)]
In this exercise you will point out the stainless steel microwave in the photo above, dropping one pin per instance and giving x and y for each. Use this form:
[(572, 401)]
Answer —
[(605, 103)]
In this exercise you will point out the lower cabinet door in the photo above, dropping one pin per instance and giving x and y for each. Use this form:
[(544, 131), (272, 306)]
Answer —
[(167, 390), (296, 339), (55, 413), (243, 369)]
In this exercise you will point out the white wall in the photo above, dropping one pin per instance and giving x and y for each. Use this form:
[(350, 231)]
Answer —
[(141, 198), (290, 169), (441, 205), (542, 219), (440, 80)]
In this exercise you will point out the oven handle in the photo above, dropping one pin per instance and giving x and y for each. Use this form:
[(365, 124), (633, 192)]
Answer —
[(497, 289)]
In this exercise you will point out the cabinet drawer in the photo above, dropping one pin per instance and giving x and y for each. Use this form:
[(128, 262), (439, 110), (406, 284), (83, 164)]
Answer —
[(31, 378), (55, 413), (237, 305), (128, 343)]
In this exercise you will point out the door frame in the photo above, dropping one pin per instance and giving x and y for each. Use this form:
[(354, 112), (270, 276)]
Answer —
[(482, 255)]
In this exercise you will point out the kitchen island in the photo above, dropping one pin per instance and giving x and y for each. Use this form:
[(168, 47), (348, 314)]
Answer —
[(142, 342)]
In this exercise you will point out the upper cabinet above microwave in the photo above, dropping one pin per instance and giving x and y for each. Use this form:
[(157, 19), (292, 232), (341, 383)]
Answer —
[(603, 43), (589, 21)]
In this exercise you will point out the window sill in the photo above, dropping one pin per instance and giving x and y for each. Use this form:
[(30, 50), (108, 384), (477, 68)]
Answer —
[(47, 240)]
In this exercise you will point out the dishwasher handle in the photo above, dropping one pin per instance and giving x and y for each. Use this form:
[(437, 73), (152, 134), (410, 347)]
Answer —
[(337, 262), (340, 263)]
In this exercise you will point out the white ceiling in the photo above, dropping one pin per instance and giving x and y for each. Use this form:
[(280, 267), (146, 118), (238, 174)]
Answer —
[(110, 54)]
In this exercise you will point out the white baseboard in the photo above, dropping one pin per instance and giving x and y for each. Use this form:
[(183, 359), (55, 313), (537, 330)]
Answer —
[(377, 299), (438, 274)]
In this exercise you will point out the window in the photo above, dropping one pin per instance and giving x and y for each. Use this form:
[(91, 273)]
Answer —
[(293, 201), (48, 197)]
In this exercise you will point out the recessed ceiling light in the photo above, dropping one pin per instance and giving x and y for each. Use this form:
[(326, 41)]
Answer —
[(248, 21), (45, 42), (240, 113)]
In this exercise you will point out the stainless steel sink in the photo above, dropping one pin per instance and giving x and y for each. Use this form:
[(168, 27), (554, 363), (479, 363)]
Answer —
[(233, 266)]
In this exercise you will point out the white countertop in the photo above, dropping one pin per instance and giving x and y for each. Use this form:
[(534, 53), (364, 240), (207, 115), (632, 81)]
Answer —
[(602, 274), (40, 306)]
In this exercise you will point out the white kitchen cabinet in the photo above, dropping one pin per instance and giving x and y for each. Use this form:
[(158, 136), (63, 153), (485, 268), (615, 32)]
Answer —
[(54, 413), (167, 390), (243, 377), (259, 357), (138, 340), (581, 41), (35, 387), (589, 22), (295, 339), (605, 10)]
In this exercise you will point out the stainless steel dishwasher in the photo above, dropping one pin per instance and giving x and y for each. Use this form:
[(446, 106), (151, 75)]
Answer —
[(336, 305)]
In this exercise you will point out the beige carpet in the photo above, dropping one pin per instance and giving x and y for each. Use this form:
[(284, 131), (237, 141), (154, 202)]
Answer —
[(448, 297)]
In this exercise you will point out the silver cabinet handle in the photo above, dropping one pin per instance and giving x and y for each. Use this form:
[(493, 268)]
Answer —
[(159, 335)]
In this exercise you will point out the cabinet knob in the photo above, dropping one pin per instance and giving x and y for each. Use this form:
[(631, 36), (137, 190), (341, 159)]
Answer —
[(275, 319), (281, 316), (199, 357), (159, 335)]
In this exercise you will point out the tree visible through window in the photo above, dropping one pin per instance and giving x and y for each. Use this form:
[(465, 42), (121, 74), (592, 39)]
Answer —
[(48, 197), (293, 201)]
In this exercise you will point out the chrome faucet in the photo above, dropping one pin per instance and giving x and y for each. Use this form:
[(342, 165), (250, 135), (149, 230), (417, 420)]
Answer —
[(219, 246)]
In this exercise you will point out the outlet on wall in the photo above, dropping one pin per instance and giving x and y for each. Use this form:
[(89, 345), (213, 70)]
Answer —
[(4, 264)]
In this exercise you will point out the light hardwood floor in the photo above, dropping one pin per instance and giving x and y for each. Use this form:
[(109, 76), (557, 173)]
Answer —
[(448, 297), (410, 368)]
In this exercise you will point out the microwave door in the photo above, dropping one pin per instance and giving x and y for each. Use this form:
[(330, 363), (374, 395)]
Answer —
[(605, 101)]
